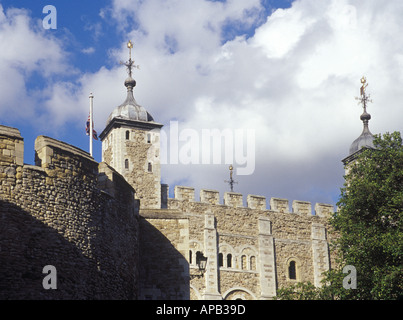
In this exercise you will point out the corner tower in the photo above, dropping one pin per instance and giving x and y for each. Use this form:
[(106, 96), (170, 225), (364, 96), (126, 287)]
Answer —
[(131, 145)]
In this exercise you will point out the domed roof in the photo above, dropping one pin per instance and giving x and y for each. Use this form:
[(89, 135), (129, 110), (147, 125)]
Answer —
[(130, 109), (366, 138)]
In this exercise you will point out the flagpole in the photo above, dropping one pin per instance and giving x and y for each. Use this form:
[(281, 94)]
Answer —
[(91, 122)]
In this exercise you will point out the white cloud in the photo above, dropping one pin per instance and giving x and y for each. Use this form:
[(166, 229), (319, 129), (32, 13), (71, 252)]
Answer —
[(26, 52), (89, 50), (293, 81)]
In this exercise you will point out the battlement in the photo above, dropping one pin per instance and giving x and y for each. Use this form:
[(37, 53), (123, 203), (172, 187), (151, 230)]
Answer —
[(11, 146), (255, 202), (64, 158), (54, 161)]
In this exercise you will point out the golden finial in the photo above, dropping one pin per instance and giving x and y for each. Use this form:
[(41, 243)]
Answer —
[(364, 99), (130, 64), (130, 46)]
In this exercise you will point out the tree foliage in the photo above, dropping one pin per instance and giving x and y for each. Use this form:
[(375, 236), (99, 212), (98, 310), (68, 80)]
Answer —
[(369, 228)]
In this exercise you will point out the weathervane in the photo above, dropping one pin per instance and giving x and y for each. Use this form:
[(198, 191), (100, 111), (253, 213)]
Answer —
[(364, 96), (130, 64), (231, 181)]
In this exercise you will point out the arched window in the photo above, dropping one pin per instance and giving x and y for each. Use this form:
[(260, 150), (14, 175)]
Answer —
[(190, 256), (292, 271), (127, 164), (229, 260), (150, 167), (220, 260), (127, 135)]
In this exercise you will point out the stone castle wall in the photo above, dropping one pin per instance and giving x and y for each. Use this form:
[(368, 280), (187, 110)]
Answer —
[(82, 217), (164, 249), (249, 249), (70, 212)]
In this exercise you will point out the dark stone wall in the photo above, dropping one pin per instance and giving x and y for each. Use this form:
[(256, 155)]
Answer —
[(69, 214)]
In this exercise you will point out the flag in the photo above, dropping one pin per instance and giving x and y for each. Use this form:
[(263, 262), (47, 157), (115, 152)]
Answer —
[(87, 129)]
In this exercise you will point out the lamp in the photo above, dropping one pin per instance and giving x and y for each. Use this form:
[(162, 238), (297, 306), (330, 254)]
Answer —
[(201, 262)]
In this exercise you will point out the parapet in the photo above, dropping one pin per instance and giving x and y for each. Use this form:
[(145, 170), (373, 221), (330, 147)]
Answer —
[(209, 196), (11, 146), (65, 158), (184, 193), (44, 146), (280, 205), (324, 210), (233, 199)]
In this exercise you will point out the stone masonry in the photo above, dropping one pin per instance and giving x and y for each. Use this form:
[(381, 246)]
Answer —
[(250, 249), (82, 217), (70, 212)]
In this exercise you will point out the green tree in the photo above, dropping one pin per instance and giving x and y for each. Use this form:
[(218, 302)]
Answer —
[(368, 226), (370, 221)]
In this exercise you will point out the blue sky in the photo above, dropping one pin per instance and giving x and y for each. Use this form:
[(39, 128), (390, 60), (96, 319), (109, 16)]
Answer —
[(287, 69)]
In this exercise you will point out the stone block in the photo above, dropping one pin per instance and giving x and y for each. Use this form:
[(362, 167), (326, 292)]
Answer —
[(209, 196), (256, 202), (324, 210), (279, 205), (302, 207), (184, 193)]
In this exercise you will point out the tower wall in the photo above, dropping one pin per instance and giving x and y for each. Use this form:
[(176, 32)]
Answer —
[(135, 153)]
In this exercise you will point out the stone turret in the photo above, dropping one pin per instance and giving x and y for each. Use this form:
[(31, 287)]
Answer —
[(131, 145)]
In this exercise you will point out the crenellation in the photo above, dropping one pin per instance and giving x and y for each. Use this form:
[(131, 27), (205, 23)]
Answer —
[(302, 207), (56, 155), (184, 193), (324, 210), (209, 196), (11, 146), (233, 199), (256, 202), (279, 205)]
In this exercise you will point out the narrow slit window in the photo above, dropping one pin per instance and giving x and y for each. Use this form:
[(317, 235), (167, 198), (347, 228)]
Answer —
[(229, 261), (148, 138), (127, 135), (292, 272), (150, 167), (127, 164), (220, 260)]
